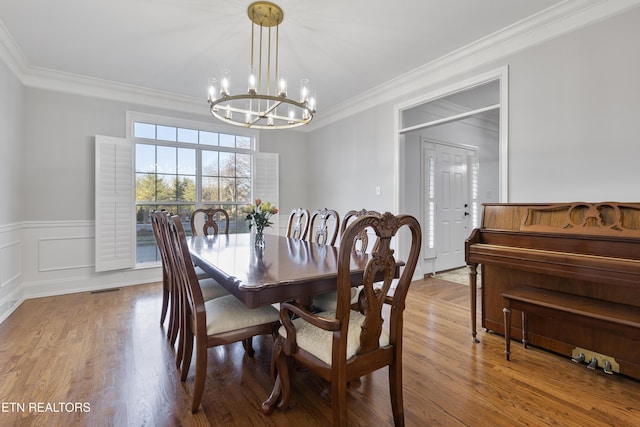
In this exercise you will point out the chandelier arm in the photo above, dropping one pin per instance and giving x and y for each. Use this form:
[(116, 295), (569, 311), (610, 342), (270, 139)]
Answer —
[(260, 65), (273, 107), (275, 80), (269, 64), (253, 26)]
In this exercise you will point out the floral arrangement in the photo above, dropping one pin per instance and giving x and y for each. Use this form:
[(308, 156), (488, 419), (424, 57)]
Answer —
[(259, 214)]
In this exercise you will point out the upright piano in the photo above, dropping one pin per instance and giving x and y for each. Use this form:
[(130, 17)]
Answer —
[(584, 249)]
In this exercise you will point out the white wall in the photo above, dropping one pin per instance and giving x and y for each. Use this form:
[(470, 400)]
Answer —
[(11, 146), (349, 159), (574, 115), (51, 244), (293, 149), (51, 162), (573, 124), (12, 160)]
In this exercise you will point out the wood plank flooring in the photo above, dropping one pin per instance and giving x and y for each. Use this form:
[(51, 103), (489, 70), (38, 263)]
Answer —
[(107, 355)]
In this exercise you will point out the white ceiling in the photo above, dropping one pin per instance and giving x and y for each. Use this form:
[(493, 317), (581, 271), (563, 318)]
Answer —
[(345, 47)]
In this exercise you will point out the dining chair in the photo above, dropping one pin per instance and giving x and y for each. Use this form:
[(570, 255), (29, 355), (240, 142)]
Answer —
[(210, 288), (326, 302), (203, 221), (320, 233), (344, 344), (219, 321), (167, 281), (298, 225), (362, 241)]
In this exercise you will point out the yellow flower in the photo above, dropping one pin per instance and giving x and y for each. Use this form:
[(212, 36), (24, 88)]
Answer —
[(259, 214)]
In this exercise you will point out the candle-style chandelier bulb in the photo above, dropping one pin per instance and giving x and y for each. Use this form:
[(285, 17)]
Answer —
[(252, 81), (312, 102), (282, 85), (225, 82), (212, 91), (304, 90)]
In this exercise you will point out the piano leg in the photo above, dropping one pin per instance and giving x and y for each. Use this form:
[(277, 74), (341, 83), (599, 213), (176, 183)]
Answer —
[(507, 331), (524, 329), (474, 293)]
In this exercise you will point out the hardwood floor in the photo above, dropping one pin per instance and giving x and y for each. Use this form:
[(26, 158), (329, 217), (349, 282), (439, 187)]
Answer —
[(103, 360)]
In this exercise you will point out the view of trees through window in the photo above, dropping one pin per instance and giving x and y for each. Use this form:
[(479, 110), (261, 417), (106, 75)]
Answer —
[(180, 170)]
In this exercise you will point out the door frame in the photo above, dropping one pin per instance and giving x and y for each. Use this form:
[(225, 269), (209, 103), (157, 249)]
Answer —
[(501, 75)]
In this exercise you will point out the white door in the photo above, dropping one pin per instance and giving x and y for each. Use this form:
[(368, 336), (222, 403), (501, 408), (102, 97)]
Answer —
[(452, 211)]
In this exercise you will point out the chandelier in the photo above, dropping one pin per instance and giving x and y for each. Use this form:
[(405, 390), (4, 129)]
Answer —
[(266, 104)]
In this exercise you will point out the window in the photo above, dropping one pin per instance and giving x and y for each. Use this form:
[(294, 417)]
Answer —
[(182, 166)]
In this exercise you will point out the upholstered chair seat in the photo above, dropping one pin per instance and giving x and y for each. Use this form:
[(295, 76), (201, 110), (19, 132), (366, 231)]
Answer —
[(317, 341), (211, 289), (228, 313)]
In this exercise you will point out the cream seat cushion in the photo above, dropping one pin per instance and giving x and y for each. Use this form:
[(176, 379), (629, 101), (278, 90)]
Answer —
[(201, 273), (228, 313), (327, 302), (318, 341), (212, 289)]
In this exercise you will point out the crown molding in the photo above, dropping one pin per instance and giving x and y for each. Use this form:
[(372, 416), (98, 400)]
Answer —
[(11, 55), (58, 81), (547, 24), (42, 78)]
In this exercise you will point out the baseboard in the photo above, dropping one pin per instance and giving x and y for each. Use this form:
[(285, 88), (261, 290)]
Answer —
[(10, 303), (91, 283), (48, 288)]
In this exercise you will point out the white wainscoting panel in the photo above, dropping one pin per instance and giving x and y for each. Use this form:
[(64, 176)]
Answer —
[(45, 258), (65, 253), (11, 268), (10, 262)]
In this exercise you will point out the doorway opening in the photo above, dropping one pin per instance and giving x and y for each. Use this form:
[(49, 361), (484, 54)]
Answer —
[(451, 148)]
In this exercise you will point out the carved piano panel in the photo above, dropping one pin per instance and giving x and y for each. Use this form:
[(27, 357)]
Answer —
[(586, 249)]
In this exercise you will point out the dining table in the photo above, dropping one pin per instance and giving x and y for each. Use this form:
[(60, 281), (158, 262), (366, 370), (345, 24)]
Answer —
[(284, 269)]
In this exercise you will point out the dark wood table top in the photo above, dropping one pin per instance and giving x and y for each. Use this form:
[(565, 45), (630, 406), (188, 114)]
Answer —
[(285, 269)]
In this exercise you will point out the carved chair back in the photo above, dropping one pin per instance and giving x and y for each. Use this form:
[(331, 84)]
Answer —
[(207, 217), (320, 233), (362, 241), (298, 225)]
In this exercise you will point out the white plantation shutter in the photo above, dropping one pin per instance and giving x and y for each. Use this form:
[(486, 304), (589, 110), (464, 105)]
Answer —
[(266, 184), (115, 212)]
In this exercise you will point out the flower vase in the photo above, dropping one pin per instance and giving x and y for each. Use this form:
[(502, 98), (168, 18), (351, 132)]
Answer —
[(259, 237)]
